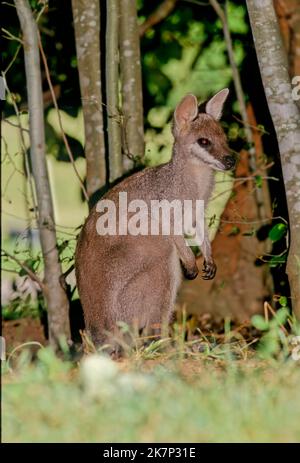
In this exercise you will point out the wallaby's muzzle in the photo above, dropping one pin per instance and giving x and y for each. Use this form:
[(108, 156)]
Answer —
[(229, 162)]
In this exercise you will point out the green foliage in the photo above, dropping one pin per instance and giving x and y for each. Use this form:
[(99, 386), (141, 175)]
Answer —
[(186, 53), (37, 5), (20, 307), (24, 304), (31, 264), (277, 232), (258, 181), (283, 301), (56, 146), (275, 261), (259, 322), (276, 341)]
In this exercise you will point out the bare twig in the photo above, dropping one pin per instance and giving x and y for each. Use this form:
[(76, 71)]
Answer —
[(23, 148), (251, 177), (65, 140), (66, 274), (235, 72), (10, 36), (15, 125), (25, 267), (240, 96), (238, 183), (254, 127), (249, 222), (267, 307), (41, 12), (13, 59), (196, 2), (20, 346)]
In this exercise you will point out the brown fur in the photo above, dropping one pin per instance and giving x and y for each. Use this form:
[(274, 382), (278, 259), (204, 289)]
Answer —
[(134, 279)]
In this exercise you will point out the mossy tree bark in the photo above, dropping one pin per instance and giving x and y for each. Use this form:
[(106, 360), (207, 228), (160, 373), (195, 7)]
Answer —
[(55, 295), (112, 90), (288, 13), (132, 101), (86, 14)]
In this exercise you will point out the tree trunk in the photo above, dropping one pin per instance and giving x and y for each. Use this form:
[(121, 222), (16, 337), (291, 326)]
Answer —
[(56, 298), (286, 119), (132, 101), (288, 12), (86, 14), (112, 90)]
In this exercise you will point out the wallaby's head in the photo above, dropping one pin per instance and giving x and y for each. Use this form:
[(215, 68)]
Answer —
[(198, 131)]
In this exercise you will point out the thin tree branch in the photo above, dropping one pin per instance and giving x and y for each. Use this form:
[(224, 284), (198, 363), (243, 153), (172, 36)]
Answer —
[(241, 98), (164, 9), (10, 36), (55, 295), (15, 125), (23, 148), (249, 222), (13, 59), (254, 127), (112, 90), (65, 140), (25, 267)]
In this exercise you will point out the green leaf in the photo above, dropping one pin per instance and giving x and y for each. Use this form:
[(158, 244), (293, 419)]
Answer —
[(30, 264), (259, 322), (269, 345), (281, 316), (261, 128), (277, 260), (234, 231), (283, 301), (277, 232), (258, 181)]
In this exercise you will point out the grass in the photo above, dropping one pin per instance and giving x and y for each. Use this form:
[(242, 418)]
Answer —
[(171, 396)]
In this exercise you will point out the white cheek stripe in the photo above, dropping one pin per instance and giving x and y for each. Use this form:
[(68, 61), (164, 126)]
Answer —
[(205, 156)]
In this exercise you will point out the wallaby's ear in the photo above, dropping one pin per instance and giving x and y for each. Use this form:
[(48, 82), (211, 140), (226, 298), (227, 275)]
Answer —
[(186, 110), (214, 106)]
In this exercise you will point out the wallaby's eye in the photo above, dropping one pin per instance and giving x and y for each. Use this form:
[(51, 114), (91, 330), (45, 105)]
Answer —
[(204, 142)]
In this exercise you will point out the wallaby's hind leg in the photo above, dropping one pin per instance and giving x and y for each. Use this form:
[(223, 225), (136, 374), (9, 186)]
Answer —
[(158, 326), (160, 320), (109, 340), (151, 309)]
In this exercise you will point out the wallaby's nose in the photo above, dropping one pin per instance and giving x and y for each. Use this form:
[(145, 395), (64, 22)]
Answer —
[(229, 162)]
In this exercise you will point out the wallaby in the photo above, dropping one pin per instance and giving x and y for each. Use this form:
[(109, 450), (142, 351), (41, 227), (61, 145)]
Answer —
[(135, 279)]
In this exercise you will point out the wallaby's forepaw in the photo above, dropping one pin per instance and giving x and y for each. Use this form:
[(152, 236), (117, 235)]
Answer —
[(209, 270), (191, 273)]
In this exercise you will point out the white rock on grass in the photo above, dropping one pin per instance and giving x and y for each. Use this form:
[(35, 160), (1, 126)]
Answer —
[(98, 376), (101, 378)]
